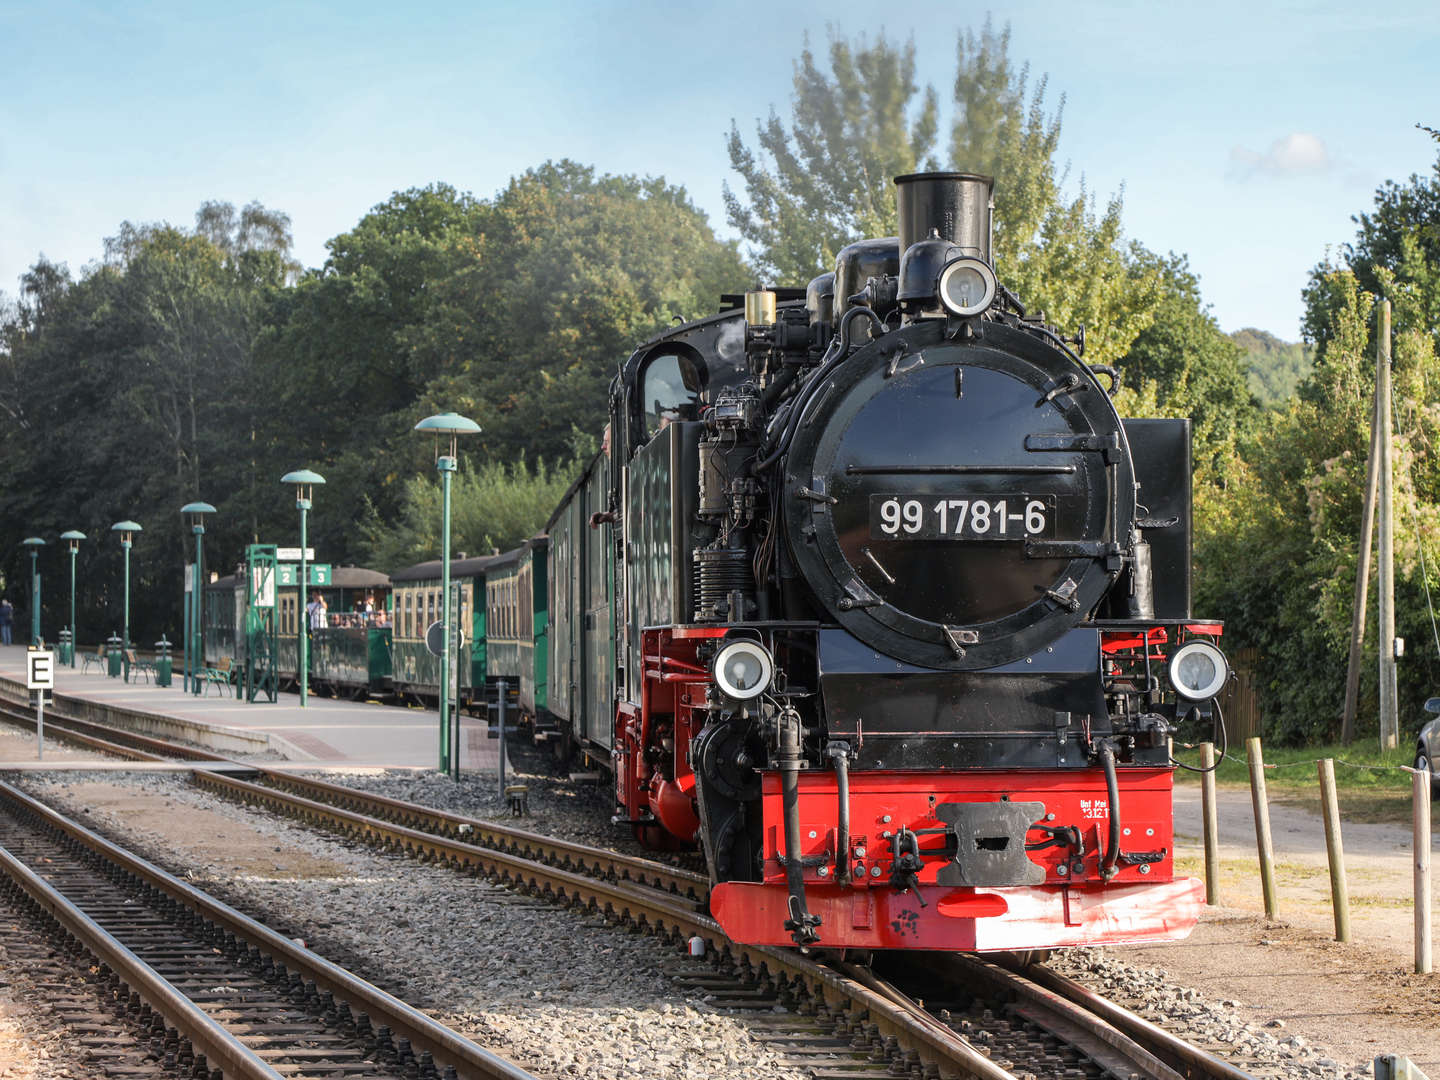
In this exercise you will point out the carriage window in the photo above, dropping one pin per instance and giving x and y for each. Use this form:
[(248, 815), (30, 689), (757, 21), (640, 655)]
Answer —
[(670, 391)]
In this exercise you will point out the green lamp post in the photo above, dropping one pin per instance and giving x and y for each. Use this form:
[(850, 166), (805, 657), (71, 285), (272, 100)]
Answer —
[(304, 481), (73, 538), (452, 425), (127, 531), (34, 543), (194, 514)]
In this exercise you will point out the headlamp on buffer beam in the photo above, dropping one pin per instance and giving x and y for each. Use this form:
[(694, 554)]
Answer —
[(1198, 671), (967, 286), (743, 670)]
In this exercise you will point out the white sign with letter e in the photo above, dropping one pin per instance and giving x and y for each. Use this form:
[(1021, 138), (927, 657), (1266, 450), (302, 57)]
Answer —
[(40, 670)]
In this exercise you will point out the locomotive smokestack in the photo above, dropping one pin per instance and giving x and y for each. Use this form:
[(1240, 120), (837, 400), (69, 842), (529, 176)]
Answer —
[(958, 205)]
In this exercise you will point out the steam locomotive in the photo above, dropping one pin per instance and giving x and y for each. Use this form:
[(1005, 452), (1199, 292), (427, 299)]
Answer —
[(892, 607)]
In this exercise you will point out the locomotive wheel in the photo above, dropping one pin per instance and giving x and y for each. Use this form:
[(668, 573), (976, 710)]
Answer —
[(654, 838)]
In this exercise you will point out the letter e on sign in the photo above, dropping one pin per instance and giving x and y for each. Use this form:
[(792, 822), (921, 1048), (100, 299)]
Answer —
[(40, 670)]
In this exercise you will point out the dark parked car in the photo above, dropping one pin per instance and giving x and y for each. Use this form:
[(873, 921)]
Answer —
[(1427, 745)]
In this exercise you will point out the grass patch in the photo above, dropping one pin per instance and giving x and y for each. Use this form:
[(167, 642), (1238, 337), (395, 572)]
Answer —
[(1373, 785)]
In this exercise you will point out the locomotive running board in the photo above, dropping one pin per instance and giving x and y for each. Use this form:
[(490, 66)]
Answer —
[(985, 920)]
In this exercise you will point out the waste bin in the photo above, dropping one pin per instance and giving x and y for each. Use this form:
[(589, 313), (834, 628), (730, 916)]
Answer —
[(113, 645), (67, 649), (164, 666)]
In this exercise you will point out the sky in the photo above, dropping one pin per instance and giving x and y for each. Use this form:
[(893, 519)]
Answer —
[(1243, 135)]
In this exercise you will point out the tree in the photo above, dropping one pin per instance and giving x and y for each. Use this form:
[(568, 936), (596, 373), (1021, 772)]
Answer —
[(826, 180), (1286, 533), (515, 311), (133, 394), (494, 507)]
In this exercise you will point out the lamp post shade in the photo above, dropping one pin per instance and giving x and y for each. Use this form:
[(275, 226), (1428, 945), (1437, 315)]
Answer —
[(74, 536), (32, 542), (126, 529), (449, 422), (304, 480), (198, 509)]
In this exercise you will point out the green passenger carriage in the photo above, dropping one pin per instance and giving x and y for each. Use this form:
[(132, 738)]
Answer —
[(349, 655), (517, 623), (417, 594)]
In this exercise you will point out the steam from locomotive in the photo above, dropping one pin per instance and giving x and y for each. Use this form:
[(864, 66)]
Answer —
[(901, 607)]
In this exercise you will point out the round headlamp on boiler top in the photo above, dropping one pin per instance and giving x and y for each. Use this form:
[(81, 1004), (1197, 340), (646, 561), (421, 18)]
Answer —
[(1198, 671), (743, 670), (967, 286)]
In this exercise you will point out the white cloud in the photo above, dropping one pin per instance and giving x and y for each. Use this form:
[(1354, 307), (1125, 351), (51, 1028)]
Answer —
[(1296, 154)]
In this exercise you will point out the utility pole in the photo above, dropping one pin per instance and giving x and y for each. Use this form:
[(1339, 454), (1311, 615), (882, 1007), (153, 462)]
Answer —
[(1389, 716), (1362, 580)]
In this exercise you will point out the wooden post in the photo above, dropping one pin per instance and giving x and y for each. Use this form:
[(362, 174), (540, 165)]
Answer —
[(1389, 715), (1339, 887), (1362, 580), (1262, 827), (1421, 781), (1211, 815)]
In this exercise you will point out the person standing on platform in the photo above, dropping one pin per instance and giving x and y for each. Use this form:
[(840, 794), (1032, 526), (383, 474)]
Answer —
[(7, 619)]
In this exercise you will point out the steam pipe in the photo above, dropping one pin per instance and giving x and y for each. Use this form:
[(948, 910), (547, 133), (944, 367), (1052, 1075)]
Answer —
[(840, 349), (1109, 862), (801, 923), (840, 753)]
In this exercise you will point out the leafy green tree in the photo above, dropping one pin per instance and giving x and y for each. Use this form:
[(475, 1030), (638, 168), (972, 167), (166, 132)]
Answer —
[(827, 180), (494, 507), (1274, 369), (1286, 534), (515, 311), (132, 394)]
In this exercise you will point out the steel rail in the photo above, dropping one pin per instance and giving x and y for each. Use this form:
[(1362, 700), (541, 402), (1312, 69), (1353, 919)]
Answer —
[(682, 919), (84, 732), (445, 1046), (513, 858), (222, 1050), (1188, 1060), (553, 850), (502, 837), (1058, 1014)]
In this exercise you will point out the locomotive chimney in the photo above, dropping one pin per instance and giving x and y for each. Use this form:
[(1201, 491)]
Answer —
[(957, 205)]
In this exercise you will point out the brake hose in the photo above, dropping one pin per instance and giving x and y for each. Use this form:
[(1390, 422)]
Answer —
[(1111, 859)]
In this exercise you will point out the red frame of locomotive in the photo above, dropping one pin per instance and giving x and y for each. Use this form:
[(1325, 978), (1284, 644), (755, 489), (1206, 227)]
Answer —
[(1143, 902)]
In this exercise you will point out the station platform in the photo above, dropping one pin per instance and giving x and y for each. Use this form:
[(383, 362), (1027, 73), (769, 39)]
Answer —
[(326, 733)]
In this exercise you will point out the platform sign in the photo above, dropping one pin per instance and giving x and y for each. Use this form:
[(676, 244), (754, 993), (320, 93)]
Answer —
[(40, 675), (189, 578), (316, 574), (262, 587), (40, 669), (293, 554)]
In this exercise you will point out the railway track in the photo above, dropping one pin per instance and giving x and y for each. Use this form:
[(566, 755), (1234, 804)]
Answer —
[(201, 987), (952, 1016)]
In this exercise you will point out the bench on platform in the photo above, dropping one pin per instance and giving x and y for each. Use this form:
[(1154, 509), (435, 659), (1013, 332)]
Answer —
[(97, 658), (219, 675), (139, 667)]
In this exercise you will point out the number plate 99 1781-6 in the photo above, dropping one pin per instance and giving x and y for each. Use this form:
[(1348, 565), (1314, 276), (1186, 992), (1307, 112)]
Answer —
[(989, 516)]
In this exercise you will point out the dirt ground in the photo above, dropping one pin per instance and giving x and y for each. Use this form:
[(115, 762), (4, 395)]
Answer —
[(1352, 1001), (1357, 999)]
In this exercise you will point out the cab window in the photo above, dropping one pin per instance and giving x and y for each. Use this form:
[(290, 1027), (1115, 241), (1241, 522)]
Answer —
[(670, 391)]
